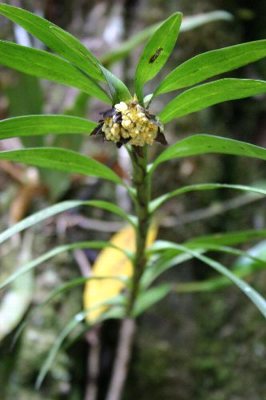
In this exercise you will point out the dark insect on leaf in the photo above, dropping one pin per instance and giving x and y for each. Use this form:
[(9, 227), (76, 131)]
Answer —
[(155, 55)]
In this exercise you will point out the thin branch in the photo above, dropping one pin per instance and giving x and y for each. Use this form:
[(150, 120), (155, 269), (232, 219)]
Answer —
[(142, 185), (83, 262), (124, 350), (93, 365), (97, 225)]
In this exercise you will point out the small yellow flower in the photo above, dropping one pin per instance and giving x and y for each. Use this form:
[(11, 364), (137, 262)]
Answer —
[(130, 123)]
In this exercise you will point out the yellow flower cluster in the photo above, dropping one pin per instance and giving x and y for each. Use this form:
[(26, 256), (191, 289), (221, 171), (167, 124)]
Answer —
[(133, 125)]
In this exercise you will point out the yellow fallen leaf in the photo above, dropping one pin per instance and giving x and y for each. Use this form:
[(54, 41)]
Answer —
[(112, 263)]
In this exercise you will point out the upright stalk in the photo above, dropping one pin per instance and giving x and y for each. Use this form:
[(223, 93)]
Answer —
[(141, 184)]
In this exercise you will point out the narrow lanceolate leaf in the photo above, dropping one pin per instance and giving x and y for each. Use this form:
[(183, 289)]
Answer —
[(157, 52), (31, 125), (204, 144), (231, 238), (156, 203), (73, 50), (212, 63), (38, 217), (244, 266), (62, 160), (113, 208), (44, 65), (171, 258), (118, 90), (57, 209), (253, 295), (209, 94), (168, 259), (55, 38)]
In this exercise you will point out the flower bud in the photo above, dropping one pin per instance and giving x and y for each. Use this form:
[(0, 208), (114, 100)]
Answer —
[(130, 123)]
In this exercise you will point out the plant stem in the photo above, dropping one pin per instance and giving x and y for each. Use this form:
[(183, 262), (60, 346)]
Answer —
[(141, 183), (93, 365), (122, 359)]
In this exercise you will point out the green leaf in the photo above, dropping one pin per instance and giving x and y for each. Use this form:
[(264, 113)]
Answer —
[(231, 238), (48, 66), (188, 23), (206, 144), (62, 160), (252, 258), (73, 50), (32, 125), (157, 52), (150, 297), (230, 250), (211, 63), (167, 257), (252, 261), (156, 203), (170, 258), (209, 285), (209, 94), (118, 90), (57, 209), (55, 38), (38, 217), (113, 208), (254, 296), (54, 252)]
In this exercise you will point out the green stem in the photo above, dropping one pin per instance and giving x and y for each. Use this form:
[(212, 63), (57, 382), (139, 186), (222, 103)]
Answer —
[(142, 185)]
